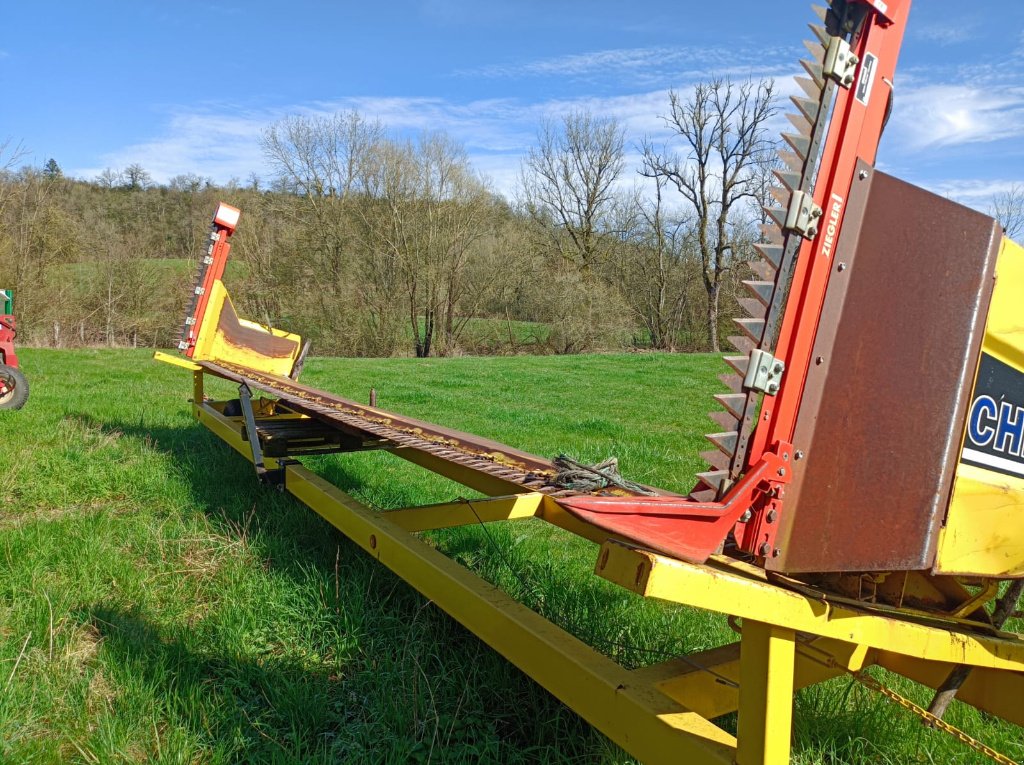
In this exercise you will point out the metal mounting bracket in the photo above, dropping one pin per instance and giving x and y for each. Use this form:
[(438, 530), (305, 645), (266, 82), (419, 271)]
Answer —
[(803, 215), (840, 62), (764, 373)]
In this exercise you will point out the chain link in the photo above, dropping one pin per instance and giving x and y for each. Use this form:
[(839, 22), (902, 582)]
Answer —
[(931, 720)]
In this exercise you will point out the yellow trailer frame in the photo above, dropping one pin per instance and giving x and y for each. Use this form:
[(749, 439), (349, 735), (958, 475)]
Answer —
[(662, 713)]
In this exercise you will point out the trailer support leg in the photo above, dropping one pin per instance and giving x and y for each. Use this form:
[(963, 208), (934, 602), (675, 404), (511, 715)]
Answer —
[(767, 662), (197, 387)]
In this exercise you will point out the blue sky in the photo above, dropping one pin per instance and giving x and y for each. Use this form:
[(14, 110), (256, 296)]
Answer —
[(188, 86)]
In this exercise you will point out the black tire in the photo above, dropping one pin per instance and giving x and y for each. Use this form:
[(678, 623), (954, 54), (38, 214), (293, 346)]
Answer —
[(17, 388)]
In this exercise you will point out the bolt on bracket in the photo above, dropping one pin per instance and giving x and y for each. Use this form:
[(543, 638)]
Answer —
[(840, 62)]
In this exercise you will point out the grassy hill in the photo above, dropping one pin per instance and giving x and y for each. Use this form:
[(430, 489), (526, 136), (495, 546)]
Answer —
[(157, 605)]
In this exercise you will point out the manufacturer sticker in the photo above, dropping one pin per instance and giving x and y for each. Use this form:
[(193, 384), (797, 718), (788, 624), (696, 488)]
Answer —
[(866, 81), (995, 422)]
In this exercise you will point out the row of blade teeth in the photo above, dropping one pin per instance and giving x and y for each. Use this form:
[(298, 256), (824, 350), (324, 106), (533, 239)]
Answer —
[(761, 289)]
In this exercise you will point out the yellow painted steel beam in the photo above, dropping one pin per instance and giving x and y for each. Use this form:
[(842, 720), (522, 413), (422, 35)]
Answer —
[(176, 361), (638, 717), (466, 512), (197, 386), (720, 589), (765, 724), (708, 681)]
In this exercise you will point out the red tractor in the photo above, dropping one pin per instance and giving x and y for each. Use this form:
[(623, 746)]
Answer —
[(13, 385)]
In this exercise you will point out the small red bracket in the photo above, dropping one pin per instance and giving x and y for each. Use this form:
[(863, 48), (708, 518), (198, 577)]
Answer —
[(687, 529)]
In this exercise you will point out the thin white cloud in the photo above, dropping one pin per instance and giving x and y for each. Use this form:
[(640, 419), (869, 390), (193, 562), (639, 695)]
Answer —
[(219, 146), (977, 193), (496, 132), (949, 32), (659, 66), (936, 115)]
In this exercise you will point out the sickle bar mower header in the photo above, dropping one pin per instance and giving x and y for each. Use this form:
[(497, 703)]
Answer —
[(864, 498)]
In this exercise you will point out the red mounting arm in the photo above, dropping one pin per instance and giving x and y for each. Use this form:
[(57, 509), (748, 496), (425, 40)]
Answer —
[(211, 268)]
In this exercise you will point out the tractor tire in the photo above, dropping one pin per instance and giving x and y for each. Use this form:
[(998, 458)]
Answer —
[(17, 388)]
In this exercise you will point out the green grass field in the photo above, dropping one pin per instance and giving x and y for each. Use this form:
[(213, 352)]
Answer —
[(157, 605)]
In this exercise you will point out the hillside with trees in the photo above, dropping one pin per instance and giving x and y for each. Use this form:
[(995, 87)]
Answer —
[(373, 244)]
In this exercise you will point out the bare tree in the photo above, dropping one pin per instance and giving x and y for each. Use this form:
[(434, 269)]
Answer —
[(9, 157), (568, 180), (108, 179), (320, 163), (426, 211), (322, 157), (724, 136), (1008, 208), (650, 266), (135, 177)]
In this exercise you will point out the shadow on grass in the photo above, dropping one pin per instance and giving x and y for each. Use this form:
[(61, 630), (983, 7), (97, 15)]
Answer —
[(272, 711), (406, 681)]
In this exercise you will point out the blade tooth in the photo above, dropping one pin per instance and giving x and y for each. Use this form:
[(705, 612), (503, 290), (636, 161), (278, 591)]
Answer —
[(810, 87), (800, 143), (761, 290), (739, 363), (770, 252), (814, 70), (788, 179), (752, 328), (763, 269), (780, 195), (802, 126), (771, 233), (821, 35), (777, 214), (753, 307), (716, 459), (793, 160), (733, 403), (820, 11), (733, 382), (713, 479), (704, 495), (807, 107), (724, 442), (742, 344), (724, 419)]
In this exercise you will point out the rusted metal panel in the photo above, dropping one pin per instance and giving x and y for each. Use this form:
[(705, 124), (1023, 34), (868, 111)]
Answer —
[(238, 335), (881, 418)]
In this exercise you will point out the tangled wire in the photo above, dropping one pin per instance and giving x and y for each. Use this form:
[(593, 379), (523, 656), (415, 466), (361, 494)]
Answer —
[(587, 478)]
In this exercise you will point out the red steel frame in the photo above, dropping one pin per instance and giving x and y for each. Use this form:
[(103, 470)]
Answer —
[(694, 530), (225, 221)]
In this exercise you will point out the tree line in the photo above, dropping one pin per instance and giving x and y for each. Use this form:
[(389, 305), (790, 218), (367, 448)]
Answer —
[(371, 243)]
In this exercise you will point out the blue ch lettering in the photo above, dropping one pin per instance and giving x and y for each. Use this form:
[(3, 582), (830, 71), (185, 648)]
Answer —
[(1010, 433), (983, 418)]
